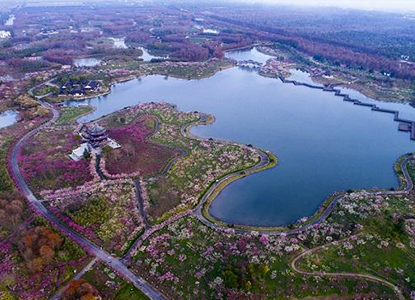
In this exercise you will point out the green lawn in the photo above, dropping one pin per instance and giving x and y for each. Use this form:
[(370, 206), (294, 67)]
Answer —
[(70, 114), (130, 292)]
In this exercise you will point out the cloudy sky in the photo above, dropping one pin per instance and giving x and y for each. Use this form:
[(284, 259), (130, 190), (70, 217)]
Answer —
[(384, 5)]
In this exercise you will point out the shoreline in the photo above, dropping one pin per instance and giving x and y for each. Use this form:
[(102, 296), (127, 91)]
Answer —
[(321, 214), (139, 76), (211, 195), (319, 80), (206, 218)]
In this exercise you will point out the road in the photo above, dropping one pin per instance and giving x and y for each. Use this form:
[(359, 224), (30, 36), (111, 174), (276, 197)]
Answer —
[(140, 204), (397, 291), (88, 246), (78, 276), (49, 82)]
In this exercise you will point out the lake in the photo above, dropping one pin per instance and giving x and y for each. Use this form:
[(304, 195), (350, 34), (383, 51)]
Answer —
[(7, 118), (119, 43), (86, 62), (323, 143), (147, 56)]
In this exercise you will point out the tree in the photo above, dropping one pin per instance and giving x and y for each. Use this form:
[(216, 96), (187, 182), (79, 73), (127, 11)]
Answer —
[(36, 265), (47, 254), (80, 290), (38, 246), (86, 154)]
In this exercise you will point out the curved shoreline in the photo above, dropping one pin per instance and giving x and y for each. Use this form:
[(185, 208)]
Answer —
[(202, 210), (267, 160)]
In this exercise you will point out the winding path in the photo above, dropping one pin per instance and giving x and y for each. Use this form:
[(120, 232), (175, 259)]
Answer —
[(90, 247), (140, 204), (293, 265)]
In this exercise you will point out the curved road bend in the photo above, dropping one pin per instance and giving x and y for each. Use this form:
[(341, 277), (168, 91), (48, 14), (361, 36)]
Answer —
[(340, 274), (90, 247)]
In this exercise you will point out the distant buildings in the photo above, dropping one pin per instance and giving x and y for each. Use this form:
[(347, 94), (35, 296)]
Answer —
[(94, 138), (4, 34), (78, 89)]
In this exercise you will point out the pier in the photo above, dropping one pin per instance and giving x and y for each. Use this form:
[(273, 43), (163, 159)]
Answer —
[(404, 124)]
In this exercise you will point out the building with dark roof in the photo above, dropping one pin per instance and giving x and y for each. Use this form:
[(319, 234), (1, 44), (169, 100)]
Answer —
[(94, 134)]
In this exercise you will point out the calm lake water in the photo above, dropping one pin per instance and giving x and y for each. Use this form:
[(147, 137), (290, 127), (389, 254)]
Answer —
[(147, 56), (120, 44), (323, 143), (86, 62), (8, 118)]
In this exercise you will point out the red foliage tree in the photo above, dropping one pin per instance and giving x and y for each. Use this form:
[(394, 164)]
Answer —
[(80, 290)]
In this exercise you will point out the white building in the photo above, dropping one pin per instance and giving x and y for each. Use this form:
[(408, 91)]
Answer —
[(4, 34), (94, 139)]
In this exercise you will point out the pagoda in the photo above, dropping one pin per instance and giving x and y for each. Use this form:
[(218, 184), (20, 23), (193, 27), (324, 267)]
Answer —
[(94, 138), (95, 135)]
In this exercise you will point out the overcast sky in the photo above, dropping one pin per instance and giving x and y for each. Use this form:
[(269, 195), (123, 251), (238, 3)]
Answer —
[(384, 5), (404, 6)]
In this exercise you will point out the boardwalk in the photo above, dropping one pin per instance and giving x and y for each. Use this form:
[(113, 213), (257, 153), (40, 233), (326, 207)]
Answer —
[(410, 124)]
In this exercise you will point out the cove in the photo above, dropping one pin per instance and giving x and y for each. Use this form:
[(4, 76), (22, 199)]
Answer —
[(7, 118), (323, 143)]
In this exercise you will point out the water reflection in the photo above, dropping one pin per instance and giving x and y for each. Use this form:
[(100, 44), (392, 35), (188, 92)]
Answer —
[(8, 118)]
